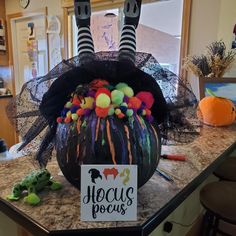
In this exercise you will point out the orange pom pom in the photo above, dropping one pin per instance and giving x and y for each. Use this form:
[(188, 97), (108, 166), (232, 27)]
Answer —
[(76, 101), (80, 112), (102, 112), (67, 120), (148, 112), (134, 103)]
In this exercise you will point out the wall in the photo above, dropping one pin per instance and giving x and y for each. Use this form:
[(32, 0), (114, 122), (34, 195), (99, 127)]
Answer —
[(211, 20), (227, 20)]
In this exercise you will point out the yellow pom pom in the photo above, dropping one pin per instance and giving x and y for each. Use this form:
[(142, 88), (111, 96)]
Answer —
[(87, 103), (103, 100), (68, 114), (117, 111)]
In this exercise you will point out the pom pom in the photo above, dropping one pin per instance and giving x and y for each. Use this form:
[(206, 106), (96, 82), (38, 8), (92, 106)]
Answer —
[(129, 112), (117, 97), (144, 113), (103, 90), (68, 105), (76, 101), (121, 115), (123, 109), (87, 102), (103, 100), (59, 119), (80, 112), (87, 112), (91, 93), (150, 118), (67, 120), (102, 112), (147, 98), (127, 91), (126, 99), (74, 117), (68, 114), (117, 111), (121, 85), (134, 103), (74, 108), (111, 111), (98, 83), (124, 104), (148, 112), (64, 111)]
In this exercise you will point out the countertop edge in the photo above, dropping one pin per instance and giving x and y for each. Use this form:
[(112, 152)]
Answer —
[(144, 229), (157, 218)]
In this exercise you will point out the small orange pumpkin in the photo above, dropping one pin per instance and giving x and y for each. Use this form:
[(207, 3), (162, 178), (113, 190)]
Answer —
[(216, 111)]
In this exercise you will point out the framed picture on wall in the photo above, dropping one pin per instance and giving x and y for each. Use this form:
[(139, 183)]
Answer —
[(222, 87)]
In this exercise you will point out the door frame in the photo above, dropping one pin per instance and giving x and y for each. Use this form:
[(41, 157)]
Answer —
[(11, 23)]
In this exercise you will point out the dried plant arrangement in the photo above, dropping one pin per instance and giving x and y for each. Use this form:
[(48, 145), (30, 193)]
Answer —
[(214, 64)]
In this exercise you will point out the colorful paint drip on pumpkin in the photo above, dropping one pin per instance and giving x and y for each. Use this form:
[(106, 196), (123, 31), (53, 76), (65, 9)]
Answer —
[(106, 100), (105, 124)]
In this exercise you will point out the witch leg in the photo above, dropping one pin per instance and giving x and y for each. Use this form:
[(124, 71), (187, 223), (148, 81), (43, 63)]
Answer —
[(85, 41), (127, 47)]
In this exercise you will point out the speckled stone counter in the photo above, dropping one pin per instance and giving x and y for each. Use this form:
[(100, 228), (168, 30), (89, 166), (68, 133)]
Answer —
[(59, 212)]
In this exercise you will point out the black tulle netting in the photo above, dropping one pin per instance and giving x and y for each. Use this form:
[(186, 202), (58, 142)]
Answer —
[(179, 126)]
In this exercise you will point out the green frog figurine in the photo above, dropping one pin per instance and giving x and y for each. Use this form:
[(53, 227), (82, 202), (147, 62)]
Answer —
[(33, 183)]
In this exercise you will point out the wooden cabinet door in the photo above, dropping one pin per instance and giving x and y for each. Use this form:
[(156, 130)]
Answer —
[(6, 129)]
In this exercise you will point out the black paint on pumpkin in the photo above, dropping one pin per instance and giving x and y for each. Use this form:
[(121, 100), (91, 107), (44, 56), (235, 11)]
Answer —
[(135, 141)]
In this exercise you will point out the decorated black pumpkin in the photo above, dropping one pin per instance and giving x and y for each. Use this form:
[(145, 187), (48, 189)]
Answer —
[(107, 126)]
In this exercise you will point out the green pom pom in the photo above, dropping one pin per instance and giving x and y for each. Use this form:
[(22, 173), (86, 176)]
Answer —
[(74, 117), (117, 97), (68, 105), (127, 91), (103, 100), (129, 112), (111, 111), (121, 85), (32, 199), (55, 186)]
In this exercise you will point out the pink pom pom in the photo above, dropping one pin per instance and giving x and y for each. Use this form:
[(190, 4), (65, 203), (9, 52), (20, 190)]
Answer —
[(147, 98), (59, 120)]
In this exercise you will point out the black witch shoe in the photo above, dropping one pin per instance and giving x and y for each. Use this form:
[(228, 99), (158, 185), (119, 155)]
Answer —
[(132, 10), (82, 12)]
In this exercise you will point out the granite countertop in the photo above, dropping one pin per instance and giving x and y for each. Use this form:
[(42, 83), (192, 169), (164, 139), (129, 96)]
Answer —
[(60, 210)]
